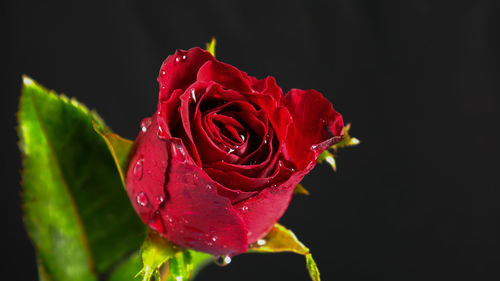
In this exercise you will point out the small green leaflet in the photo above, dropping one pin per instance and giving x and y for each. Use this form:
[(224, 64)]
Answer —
[(167, 262), (210, 46), (347, 141), (75, 209), (280, 239), (300, 189)]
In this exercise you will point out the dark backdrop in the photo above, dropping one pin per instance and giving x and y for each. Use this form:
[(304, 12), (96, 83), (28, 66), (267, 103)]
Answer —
[(419, 80)]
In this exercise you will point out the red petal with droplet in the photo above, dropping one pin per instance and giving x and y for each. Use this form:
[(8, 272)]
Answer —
[(191, 214), (315, 127)]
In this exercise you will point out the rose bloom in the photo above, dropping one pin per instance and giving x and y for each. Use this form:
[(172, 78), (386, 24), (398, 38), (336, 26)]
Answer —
[(215, 168)]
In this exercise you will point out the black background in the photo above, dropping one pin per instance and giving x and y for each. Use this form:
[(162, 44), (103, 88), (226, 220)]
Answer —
[(419, 80)]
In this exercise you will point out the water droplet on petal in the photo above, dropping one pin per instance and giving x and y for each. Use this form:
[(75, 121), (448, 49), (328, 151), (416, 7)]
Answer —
[(193, 94), (214, 238), (142, 199), (138, 169), (162, 134), (180, 58), (163, 73), (242, 137), (170, 221), (145, 123), (244, 208), (222, 260), (230, 150), (160, 199), (178, 151)]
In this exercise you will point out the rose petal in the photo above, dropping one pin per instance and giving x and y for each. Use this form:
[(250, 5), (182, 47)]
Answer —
[(267, 86), (179, 70), (177, 198), (146, 173), (316, 126), (224, 74), (261, 212), (196, 216)]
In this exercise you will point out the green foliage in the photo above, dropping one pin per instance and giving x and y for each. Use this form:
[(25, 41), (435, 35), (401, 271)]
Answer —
[(210, 46), (118, 147), (280, 239), (76, 211), (167, 262), (300, 189)]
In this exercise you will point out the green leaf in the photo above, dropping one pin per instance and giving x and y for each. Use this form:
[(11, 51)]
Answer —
[(280, 239), (210, 46), (165, 261), (118, 147), (76, 212), (312, 268), (327, 156), (347, 140), (126, 270), (300, 189)]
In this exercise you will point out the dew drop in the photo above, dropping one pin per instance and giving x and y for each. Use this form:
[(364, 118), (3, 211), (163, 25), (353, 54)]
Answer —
[(142, 199), (230, 150), (261, 242), (267, 139), (138, 169), (178, 151), (215, 238), (180, 58), (193, 94), (209, 187), (244, 208), (242, 137), (160, 199), (170, 221), (145, 123), (163, 73), (222, 260), (162, 134)]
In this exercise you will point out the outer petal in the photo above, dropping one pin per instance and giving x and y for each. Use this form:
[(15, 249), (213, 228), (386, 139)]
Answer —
[(261, 212), (191, 214), (316, 126), (179, 70)]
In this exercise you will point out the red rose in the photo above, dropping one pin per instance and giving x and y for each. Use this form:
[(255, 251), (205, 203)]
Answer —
[(215, 167)]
